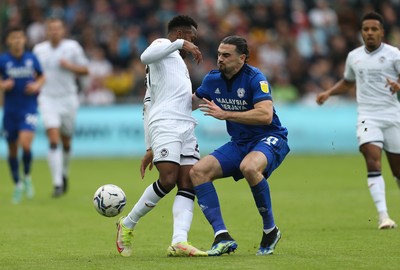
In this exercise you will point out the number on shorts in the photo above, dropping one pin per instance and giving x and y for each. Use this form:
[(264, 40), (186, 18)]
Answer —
[(271, 140), (31, 119)]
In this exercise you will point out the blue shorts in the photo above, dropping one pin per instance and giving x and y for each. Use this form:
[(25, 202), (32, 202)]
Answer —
[(15, 122), (231, 154)]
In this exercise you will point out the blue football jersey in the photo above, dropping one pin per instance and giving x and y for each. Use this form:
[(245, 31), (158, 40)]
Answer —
[(240, 93), (22, 70)]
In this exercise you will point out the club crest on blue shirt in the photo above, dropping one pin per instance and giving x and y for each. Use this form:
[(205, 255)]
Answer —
[(241, 92), (264, 86)]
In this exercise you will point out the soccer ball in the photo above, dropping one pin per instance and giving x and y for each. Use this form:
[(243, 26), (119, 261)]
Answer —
[(109, 200)]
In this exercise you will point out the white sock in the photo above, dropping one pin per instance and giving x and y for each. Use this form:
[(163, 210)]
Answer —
[(55, 162), (376, 186), (182, 211), (144, 205), (65, 161)]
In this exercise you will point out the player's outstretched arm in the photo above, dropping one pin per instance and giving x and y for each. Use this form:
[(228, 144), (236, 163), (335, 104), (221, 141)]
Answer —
[(339, 88), (159, 49)]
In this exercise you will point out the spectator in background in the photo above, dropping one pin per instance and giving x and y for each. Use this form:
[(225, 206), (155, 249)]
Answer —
[(62, 60), (95, 91), (302, 27)]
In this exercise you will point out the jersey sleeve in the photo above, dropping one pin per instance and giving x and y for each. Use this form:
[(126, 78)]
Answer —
[(349, 74), (261, 88), (80, 56), (159, 49), (146, 109), (202, 90)]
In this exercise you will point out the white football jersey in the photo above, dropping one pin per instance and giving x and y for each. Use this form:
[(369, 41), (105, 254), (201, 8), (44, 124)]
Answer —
[(59, 82), (146, 110), (370, 71), (168, 82)]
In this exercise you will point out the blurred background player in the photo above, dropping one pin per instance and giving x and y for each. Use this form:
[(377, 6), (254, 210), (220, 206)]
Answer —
[(21, 79), (241, 95), (170, 126), (62, 61), (374, 70)]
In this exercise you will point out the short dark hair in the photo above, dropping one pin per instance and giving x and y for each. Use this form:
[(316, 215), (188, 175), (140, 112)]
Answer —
[(13, 29), (372, 16), (240, 43), (181, 21)]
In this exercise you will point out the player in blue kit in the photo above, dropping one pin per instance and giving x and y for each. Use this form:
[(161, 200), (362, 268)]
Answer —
[(21, 78), (239, 94)]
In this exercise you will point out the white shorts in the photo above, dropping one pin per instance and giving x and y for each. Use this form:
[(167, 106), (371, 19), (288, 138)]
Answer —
[(59, 113), (383, 133), (174, 140)]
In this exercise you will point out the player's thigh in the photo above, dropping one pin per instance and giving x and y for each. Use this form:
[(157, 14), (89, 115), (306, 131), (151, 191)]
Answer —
[(184, 181), (254, 162), (228, 156), (205, 170), (27, 129), (372, 154), (25, 138), (168, 174)]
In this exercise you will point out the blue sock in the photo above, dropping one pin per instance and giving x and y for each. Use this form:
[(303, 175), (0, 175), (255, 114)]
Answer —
[(13, 164), (207, 199), (262, 198), (27, 161)]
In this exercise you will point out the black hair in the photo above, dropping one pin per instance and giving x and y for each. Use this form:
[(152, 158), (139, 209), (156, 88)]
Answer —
[(372, 16), (13, 29), (181, 21), (240, 43)]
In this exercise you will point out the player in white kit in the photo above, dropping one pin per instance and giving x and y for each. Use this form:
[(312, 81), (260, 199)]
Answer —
[(173, 145), (374, 69), (62, 61)]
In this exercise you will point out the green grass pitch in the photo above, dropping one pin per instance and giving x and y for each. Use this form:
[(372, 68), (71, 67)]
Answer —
[(321, 204)]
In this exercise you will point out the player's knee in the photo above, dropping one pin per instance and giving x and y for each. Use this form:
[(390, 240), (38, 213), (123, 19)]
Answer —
[(248, 170), (373, 164), (168, 183), (197, 176)]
